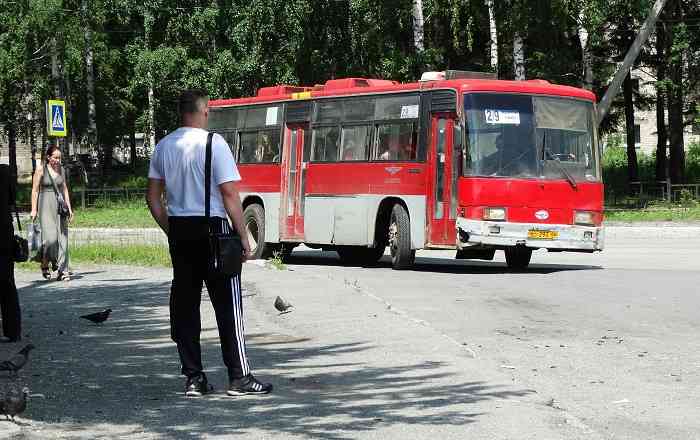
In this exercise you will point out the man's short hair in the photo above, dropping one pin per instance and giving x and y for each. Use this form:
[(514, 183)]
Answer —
[(192, 101)]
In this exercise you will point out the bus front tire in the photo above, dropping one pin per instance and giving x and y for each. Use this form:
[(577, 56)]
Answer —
[(402, 256), (254, 220), (518, 258)]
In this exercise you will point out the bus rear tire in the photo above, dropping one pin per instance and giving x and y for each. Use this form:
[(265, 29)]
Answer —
[(518, 257), (254, 220), (402, 256)]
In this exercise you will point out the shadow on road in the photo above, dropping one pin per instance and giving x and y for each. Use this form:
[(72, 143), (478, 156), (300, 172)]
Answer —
[(122, 377), (435, 264)]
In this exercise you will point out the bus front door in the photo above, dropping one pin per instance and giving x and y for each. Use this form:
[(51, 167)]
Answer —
[(297, 143), (441, 190)]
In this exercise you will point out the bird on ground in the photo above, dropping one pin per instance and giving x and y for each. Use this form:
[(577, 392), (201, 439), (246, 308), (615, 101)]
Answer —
[(16, 362), (14, 402), (282, 305), (98, 317)]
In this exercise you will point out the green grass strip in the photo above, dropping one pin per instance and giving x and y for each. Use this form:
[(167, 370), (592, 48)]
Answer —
[(691, 214), (129, 255), (133, 214)]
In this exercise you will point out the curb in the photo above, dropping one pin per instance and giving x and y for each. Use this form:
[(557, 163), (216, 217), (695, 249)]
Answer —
[(154, 236)]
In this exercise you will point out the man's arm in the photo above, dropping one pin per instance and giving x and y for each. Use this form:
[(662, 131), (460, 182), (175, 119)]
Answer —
[(232, 202), (154, 198)]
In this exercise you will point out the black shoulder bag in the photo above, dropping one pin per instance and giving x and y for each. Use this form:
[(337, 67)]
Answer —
[(63, 210), (20, 251), (226, 249)]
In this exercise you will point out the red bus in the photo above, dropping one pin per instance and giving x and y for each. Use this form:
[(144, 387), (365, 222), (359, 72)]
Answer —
[(454, 161)]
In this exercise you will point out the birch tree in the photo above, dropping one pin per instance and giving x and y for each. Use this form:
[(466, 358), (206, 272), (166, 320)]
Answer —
[(493, 34), (418, 41)]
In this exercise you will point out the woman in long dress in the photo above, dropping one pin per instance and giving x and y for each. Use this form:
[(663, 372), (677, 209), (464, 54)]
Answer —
[(49, 178)]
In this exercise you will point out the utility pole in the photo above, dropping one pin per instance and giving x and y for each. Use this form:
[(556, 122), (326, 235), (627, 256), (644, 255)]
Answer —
[(632, 54)]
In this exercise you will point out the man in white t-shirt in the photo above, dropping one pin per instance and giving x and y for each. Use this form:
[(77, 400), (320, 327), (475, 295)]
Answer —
[(177, 168)]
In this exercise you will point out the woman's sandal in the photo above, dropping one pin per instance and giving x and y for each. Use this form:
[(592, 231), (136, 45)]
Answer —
[(63, 276), (46, 273)]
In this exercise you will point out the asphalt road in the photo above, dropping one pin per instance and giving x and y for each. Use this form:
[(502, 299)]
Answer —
[(601, 346)]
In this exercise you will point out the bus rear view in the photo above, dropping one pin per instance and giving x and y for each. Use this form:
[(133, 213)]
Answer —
[(531, 176)]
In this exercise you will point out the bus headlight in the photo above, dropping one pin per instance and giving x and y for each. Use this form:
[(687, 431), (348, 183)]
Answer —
[(495, 214), (584, 218)]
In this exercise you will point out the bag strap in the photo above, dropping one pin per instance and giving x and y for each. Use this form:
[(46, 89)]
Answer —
[(55, 188), (19, 223), (207, 177)]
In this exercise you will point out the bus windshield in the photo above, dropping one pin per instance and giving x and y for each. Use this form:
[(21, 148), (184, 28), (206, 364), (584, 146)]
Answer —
[(511, 135)]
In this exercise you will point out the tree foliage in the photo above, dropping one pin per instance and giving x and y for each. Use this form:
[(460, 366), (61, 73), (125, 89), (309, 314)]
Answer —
[(233, 47)]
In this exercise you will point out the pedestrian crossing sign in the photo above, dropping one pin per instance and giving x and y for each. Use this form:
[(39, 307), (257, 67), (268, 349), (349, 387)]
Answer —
[(56, 118)]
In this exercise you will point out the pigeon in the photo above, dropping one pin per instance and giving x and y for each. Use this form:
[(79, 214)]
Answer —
[(16, 362), (14, 402), (98, 317), (282, 305)]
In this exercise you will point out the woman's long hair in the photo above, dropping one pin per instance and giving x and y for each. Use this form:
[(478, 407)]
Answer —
[(50, 151)]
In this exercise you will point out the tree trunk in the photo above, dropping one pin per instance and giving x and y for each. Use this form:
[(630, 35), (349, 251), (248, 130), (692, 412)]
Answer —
[(632, 171), (418, 26), (518, 57), (11, 128), (675, 105), (586, 59), (90, 87), (132, 148), (661, 135), (70, 146), (493, 33), (151, 133)]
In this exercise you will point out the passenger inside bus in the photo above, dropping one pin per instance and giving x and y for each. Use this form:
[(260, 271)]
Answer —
[(395, 149), (512, 156)]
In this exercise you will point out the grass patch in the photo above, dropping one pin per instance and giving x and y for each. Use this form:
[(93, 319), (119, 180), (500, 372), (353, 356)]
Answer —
[(655, 214), (131, 255), (131, 214)]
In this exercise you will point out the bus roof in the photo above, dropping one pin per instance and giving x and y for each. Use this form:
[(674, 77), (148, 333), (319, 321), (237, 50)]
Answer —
[(361, 86)]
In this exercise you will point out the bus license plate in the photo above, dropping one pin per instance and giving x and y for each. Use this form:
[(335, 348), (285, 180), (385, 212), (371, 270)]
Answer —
[(542, 235)]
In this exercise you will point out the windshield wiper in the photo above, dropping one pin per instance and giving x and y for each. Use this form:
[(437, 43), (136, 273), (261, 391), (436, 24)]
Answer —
[(566, 174)]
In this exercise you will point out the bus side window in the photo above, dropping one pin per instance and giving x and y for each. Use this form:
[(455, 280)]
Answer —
[(325, 144), (355, 140), (230, 138), (248, 142), (397, 141)]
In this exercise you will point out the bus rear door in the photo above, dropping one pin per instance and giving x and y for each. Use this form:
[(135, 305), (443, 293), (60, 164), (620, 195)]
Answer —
[(293, 173)]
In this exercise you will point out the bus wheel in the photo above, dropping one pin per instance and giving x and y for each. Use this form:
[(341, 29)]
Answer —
[(360, 255), (254, 220), (518, 257), (402, 256)]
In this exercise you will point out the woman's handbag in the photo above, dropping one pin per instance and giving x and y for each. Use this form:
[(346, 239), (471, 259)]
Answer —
[(226, 249), (21, 247), (61, 204)]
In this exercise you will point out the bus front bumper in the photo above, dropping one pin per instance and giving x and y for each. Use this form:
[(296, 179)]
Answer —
[(533, 235)]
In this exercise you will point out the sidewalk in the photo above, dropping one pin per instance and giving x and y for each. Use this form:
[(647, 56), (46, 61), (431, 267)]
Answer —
[(344, 364)]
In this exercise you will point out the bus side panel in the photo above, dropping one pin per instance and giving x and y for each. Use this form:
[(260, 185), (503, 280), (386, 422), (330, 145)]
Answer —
[(319, 214), (263, 181), (416, 206), (353, 192), (271, 204)]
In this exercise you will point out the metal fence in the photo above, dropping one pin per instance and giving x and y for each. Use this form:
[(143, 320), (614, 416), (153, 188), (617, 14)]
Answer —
[(665, 190), (89, 198)]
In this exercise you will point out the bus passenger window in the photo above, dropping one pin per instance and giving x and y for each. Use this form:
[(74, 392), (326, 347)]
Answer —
[(259, 147), (354, 143), (397, 141), (325, 144), (247, 147)]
